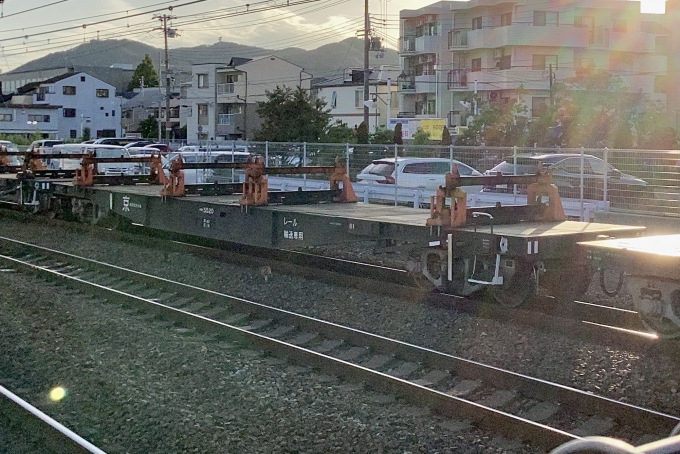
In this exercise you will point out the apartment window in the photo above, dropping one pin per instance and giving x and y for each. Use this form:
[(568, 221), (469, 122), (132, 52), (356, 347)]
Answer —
[(5, 117), (505, 62), (476, 64), (584, 63), (72, 134), (82, 78), (431, 107), (506, 19), (543, 62), (660, 84), (113, 113), (102, 93), (232, 78), (477, 23), (539, 104), (39, 118), (70, 113), (620, 26), (69, 90), (202, 81), (359, 99), (203, 114), (583, 22), (543, 18)]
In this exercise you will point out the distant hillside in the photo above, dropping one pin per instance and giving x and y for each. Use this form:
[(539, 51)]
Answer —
[(324, 61)]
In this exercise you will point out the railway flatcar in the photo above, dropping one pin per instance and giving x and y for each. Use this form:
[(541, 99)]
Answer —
[(512, 252), (650, 267)]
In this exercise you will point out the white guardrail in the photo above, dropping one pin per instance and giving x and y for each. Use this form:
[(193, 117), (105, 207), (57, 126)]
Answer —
[(420, 198)]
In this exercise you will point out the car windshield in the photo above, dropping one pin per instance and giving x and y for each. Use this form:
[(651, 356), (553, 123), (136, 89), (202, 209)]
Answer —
[(380, 168)]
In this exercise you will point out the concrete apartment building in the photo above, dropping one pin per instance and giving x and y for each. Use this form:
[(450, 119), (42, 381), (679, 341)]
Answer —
[(61, 107), (505, 50), (221, 102), (344, 96)]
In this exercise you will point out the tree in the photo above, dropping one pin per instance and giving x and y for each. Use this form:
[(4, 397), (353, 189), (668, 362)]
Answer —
[(86, 134), (498, 125), (446, 137), (338, 132), (397, 137), (144, 70), (362, 133), (421, 137), (382, 136), (292, 116), (148, 128)]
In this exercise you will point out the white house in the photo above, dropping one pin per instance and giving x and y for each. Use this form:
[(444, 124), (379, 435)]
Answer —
[(344, 96), (82, 101), (222, 98)]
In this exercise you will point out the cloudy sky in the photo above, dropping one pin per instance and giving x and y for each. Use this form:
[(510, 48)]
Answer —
[(33, 28)]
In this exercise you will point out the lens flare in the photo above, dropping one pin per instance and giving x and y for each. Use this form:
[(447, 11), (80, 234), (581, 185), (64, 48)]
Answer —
[(58, 393)]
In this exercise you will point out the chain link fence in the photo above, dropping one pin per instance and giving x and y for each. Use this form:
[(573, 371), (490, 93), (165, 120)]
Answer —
[(646, 181)]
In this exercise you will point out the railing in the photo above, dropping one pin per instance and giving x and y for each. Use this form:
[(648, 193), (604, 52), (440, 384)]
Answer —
[(225, 89), (458, 38), (650, 183), (408, 44), (225, 119), (457, 79)]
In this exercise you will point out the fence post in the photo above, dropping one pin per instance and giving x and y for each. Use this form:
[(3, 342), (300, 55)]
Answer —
[(581, 185), (396, 175), (451, 152), (266, 153), (605, 157), (514, 170), (303, 164), (347, 158)]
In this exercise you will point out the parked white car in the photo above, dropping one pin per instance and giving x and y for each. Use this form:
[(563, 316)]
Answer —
[(417, 173)]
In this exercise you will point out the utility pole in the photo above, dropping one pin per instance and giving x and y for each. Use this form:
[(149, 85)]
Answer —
[(366, 71), (166, 31)]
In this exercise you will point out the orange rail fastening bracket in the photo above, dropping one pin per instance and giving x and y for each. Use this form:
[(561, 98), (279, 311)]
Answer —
[(85, 175), (255, 186), (339, 175), (456, 214), (173, 185)]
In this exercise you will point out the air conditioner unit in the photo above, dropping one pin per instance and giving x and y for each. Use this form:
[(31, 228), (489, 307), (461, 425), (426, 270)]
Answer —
[(460, 130), (498, 53)]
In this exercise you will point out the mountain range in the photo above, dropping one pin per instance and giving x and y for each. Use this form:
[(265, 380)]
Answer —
[(325, 61)]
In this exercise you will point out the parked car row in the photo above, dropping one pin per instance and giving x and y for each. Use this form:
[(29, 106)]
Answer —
[(570, 172)]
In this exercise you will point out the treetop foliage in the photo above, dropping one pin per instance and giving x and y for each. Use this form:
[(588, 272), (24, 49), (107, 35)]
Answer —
[(144, 70), (292, 115)]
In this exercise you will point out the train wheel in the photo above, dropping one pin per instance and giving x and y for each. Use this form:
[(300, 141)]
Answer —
[(657, 302), (518, 287), (667, 324), (567, 284)]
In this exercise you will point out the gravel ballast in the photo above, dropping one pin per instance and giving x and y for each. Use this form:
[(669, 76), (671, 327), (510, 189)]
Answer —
[(646, 380)]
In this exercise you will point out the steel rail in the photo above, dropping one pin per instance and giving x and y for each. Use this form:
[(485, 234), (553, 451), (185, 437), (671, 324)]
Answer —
[(573, 400), (41, 427)]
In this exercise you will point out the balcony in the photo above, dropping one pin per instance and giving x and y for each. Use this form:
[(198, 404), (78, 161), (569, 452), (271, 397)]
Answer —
[(426, 83), (457, 79), (407, 84), (225, 89), (427, 43), (408, 45), (631, 42), (458, 39), (526, 35), (225, 119)]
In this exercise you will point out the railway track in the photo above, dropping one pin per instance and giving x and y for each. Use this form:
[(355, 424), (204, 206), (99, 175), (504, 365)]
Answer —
[(620, 327), (43, 433), (517, 406)]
